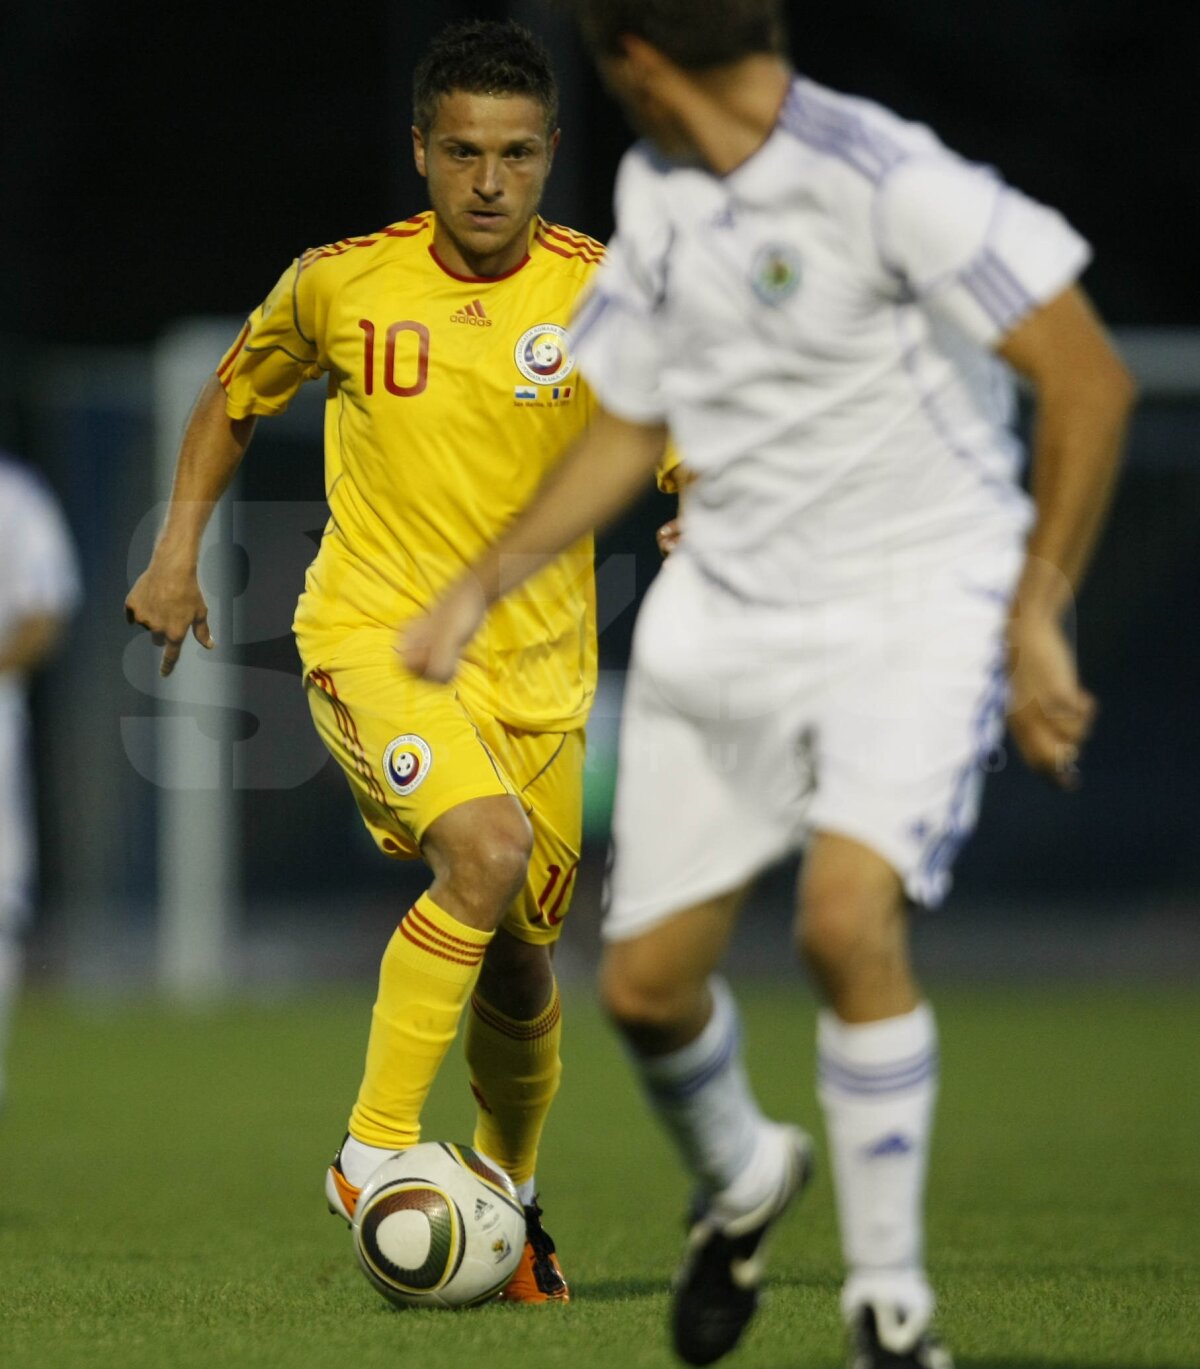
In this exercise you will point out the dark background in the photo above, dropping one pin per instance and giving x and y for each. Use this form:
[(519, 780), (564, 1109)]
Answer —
[(161, 160)]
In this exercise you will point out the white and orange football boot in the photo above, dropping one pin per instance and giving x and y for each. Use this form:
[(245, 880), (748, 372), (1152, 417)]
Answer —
[(539, 1277), (340, 1193)]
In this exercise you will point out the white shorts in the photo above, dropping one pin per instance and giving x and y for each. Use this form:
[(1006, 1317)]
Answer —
[(746, 727)]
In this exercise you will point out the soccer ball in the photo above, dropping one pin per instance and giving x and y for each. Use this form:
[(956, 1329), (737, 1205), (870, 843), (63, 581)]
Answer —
[(439, 1226)]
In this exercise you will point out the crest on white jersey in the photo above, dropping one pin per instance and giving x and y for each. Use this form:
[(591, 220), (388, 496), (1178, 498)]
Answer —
[(406, 762), (543, 354), (776, 273)]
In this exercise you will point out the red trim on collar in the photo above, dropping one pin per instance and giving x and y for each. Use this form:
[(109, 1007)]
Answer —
[(477, 280)]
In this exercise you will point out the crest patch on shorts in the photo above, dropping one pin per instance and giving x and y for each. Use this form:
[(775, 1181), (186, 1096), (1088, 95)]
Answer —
[(406, 762)]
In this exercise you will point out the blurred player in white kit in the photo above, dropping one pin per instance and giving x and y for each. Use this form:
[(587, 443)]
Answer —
[(39, 589), (824, 306)]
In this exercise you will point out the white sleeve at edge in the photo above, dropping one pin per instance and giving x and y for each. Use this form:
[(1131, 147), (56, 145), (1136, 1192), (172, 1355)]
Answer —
[(974, 250)]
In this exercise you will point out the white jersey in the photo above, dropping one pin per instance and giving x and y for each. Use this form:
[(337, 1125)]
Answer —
[(815, 328), (38, 575)]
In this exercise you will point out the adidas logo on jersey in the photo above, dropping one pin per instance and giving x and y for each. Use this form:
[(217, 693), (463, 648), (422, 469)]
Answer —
[(472, 313)]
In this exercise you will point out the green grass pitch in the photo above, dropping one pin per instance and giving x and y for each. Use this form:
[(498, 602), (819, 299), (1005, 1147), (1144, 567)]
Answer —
[(161, 1199)]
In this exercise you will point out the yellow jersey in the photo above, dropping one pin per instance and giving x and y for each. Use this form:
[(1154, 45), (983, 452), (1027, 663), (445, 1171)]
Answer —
[(449, 398)]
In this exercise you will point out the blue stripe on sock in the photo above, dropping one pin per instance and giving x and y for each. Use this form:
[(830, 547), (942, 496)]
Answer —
[(894, 1078), (692, 1083)]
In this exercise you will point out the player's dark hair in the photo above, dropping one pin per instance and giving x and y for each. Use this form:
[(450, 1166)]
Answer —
[(484, 57), (694, 34)]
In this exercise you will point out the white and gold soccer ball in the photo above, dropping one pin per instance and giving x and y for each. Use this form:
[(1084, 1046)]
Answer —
[(439, 1225)]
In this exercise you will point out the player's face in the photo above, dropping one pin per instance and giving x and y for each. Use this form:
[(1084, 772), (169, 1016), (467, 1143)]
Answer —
[(486, 160)]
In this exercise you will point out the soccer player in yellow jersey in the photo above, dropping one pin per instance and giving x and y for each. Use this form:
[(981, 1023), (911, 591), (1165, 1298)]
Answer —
[(451, 393)]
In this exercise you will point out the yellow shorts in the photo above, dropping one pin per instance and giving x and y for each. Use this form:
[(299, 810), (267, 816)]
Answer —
[(412, 750)]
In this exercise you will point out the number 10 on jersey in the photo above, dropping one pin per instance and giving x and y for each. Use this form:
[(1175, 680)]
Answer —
[(391, 383)]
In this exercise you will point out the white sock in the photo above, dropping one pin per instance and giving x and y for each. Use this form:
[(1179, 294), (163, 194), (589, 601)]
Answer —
[(360, 1161), (878, 1084), (703, 1098)]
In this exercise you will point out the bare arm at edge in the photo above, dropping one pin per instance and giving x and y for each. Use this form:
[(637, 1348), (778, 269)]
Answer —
[(166, 598), (1084, 396)]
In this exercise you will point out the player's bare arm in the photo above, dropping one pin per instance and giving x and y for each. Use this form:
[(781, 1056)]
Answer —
[(166, 599), (1084, 396), (598, 479)]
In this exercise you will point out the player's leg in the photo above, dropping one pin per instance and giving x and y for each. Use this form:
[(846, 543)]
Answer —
[(513, 1040), (704, 797), (913, 705), (513, 1031), (681, 1024), (478, 852), (514, 1024), (878, 1073), (439, 792), (684, 852)]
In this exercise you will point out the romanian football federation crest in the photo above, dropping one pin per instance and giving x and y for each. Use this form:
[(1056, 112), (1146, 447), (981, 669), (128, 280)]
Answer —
[(543, 355), (406, 762), (776, 273)]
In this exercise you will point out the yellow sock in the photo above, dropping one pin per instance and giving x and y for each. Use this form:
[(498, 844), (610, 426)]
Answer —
[(429, 969), (515, 1069)]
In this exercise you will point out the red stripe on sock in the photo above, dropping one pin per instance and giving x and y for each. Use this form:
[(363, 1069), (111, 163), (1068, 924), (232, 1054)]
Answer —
[(518, 1031), (431, 949)]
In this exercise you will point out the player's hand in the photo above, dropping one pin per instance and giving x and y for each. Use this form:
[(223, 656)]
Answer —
[(430, 646), (167, 602), (667, 537), (1051, 714)]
